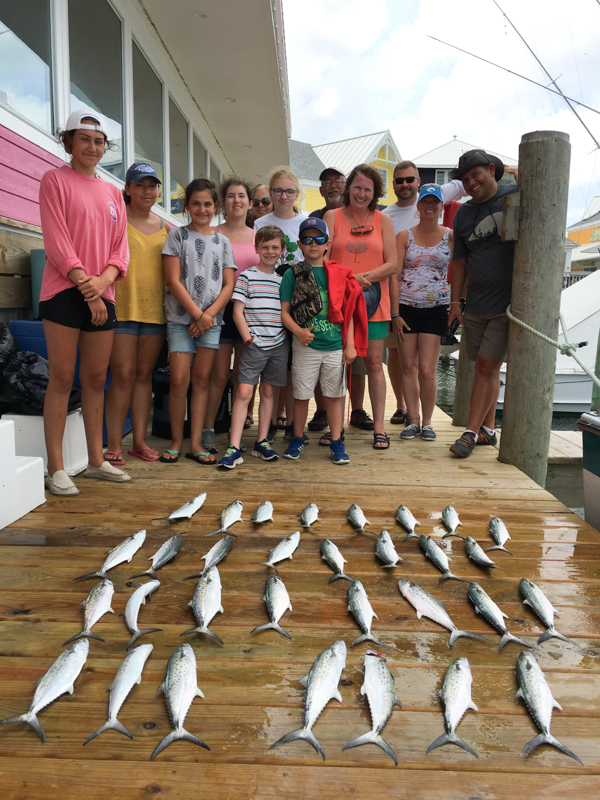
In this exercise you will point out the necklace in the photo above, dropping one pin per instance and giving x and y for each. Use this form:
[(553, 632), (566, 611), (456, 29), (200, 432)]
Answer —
[(360, 224)]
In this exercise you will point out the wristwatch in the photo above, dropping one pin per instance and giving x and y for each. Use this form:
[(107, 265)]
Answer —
[(249, 342)]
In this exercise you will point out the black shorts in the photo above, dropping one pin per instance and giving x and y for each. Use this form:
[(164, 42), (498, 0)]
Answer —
[(69, 308), (229, 331), (425, 320)]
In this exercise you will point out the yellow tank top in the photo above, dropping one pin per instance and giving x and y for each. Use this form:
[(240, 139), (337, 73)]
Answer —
[(140, 295)]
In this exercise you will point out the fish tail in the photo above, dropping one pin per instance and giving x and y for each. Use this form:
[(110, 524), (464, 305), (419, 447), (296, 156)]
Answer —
[(451, 738), (195, 575), (202, 630), (214, 533), (173, 736), (338, 576), (372, 738), (266, 564), (301, 733), (498, 547), (544, 738), (271, 626), (150, 571), (98, 574), (508, 637), (83, 635), (456, 634), (552, 633), (368, 637), (137, 635), (30, 719), (111, 724), (393, 566), (453, 533), (447, 576), (410, 536)]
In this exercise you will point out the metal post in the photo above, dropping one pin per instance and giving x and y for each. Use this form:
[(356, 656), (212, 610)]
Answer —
[(465, 374), (544, 158)]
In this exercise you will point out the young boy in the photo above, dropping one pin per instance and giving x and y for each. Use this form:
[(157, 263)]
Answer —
[(257, 314), (323, 306)]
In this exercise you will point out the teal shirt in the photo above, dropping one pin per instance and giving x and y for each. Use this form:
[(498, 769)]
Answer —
[(328, 335)]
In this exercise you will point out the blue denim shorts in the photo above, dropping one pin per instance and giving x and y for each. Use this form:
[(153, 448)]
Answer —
[(140, 328), (180, 340)]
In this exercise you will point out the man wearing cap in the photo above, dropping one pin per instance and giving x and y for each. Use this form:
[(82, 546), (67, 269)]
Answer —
[(332, 188), (481, 257)]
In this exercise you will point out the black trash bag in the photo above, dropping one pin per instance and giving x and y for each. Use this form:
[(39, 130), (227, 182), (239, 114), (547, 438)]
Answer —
[(8, 345), (23, 385)]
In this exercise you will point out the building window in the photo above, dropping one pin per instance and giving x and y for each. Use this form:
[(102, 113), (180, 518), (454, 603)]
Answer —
[(96, 70), (384, 178), (214, 172), (440, 176), (25, 60), (147, 113), (199, 158), (178, 149)]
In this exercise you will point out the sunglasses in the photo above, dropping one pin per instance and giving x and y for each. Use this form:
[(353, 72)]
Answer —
[(266, 201), (338, 182), (316, 239), (400, 181), (281, 192), (361, 230)]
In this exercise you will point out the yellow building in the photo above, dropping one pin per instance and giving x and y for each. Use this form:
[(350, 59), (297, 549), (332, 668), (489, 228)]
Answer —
[(585, 257)]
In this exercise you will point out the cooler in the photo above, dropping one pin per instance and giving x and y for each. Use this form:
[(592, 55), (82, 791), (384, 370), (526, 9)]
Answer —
[(589, 423)]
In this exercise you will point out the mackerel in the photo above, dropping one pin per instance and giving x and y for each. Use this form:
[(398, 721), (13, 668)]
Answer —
[(59, 679), (362, 611), (264, 513), (186, 511), (232, 513), (437, 556), (385, 550), (214, 556), (124, 551), (405, 518), (309, 515), (284, 549), (277, 601), (499, 534), (451, 522), (542, 608), (321, 687), (128, 674), (132, 610), (477, 554), (485, 606), (206, 602), (536, 694), (357, 519), (165, 553), (331, 554), (455, 695), (95, 606)]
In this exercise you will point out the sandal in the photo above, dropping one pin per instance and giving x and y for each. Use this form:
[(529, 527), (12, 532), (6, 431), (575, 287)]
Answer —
[(399, 417), (138, 454), (249, 422), (197, 457), (325, 440), (281, 423), (381, 439), (170, 460), (114, 458)]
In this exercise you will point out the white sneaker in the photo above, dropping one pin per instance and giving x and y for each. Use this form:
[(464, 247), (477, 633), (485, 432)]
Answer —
[(60, 484), (107, 472)]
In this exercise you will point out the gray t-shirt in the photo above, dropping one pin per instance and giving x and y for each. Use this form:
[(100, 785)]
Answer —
[(203, 259), (489, 259)]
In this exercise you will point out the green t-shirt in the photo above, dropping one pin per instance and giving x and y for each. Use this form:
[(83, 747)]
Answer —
[(328, 335)]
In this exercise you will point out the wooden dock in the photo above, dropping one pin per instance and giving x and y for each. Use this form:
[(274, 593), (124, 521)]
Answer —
[(252, 696)]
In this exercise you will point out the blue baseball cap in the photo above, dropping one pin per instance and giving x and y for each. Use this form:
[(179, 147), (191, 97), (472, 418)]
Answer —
[(141, 170), (431, 190), (313, 222)]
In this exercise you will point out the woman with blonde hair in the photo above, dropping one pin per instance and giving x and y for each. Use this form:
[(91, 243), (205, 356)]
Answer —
[(284, 190)]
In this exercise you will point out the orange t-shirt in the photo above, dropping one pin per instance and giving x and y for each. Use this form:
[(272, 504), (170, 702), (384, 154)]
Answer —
[(362, 253)]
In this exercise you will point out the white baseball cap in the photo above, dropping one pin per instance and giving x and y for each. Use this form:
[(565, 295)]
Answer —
[(74, 121)]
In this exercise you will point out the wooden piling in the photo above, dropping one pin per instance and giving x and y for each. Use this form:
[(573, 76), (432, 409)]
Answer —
[(465, 375)]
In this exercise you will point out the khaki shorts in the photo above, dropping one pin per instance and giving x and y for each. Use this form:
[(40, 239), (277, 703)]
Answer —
[(487, 335), (310, 367), (359, 367)]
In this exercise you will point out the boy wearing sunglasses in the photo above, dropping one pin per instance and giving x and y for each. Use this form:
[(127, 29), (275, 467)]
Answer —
[(323, 306)]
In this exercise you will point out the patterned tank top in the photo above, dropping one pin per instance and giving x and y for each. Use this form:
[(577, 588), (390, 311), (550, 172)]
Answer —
[(424, 281)]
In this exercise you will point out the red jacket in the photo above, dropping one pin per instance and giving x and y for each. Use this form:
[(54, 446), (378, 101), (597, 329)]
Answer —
[(347, 302)]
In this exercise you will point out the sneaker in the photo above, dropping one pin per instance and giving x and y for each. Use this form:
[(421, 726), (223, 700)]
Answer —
[(209, 443), (294, 449), (427, 433), (411, 431), (289, 434), (484, 438), (272, 433), (463, 447), (360, 419), (319, 421), (265, 451), (338, 453), (231, 459)]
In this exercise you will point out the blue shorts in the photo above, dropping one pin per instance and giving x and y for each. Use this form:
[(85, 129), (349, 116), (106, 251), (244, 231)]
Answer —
[(180, 340), (140, 328)]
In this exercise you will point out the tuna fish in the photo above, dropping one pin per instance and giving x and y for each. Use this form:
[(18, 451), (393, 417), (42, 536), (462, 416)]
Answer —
[(437, 556), (385, 550), (284, 549), (95, 606), (357, 519), (499, 534), (231, 514), (451, 522), (163, 555), (214, 556), (361, 610), (476, 554), (321, 687), (542, 608), (277, 601), (124, 551), (455, 695), (407, 521), (132, 610), (485, 606), (331, 554), (59, 679), (539, 701), (206, 602), (309, 515), (263, 513), (187, 510)]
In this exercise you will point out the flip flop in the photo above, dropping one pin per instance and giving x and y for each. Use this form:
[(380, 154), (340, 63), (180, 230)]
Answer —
[(381, 438), (118, 460), (281, 423), (196, 457), (138, 454), (325, 440), (170, 460)]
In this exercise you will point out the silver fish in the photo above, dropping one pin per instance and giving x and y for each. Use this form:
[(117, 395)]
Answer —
[(264, 513), (180, 688), (499, 534), (277, 601), (214, 556), (231, 514), (385, 550), (59, 679), (321, 687), (426, 605), (362, 611), (378, 685), (451, 522), (187, 510), (477, 554), (357, 519), (128, 674), (95, 606), (331, 554), (124, 551), (435, 553), (163, 555), (309, 515), (485, 606), (542, 608), (284, 549), (132, 610), (405, 518), (539, 701), (455, 695), (206, 602)]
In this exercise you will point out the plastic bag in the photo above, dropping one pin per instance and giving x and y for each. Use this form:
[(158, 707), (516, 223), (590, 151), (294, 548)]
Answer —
[(24, 382), (8, 345)]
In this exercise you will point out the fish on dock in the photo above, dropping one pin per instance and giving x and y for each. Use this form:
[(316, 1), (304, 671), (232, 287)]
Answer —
[(477, 554), (277, 601), (232, 513), (362, 611), (165, 553), (499, 534), (535, 598), (124, 551), (186, 511), (58, 680), (206, 603), (378, 686), (385, 550), (263, 513), (331, 554), (128, 674), (357, 519), (309, 515), (321, 687), (180, 688), (438, 558), (132, 610), (535, 692), (405, 519), (95, 606), (491, 613), (284, 549), (215, 555), (455, 696), (451, 522)]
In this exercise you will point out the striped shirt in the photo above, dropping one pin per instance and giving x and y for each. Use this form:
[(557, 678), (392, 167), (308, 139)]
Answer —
[(259, 292)]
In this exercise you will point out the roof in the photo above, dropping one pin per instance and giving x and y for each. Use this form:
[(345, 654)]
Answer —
[(305, 163), (446, 156), (345, 154), (590, 217)]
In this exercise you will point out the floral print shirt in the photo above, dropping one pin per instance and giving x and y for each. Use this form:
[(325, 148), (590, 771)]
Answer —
[(424, 281)]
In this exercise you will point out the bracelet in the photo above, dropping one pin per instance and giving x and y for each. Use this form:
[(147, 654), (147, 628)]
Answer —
[(249, 342), (201, 315), (454, 303), (395, 316)]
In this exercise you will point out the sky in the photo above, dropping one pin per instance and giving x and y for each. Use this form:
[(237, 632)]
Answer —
[(357, 67)]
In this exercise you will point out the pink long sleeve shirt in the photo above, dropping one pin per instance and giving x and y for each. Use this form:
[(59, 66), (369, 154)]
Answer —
[(84, 223)]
